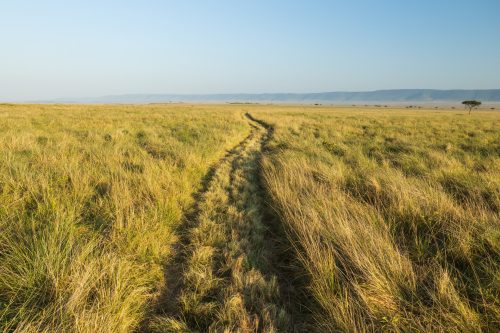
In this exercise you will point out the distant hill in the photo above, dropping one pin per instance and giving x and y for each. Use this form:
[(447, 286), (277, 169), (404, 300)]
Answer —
[(377, 96)]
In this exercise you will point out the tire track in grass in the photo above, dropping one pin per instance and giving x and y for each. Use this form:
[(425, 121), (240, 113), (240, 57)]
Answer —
[(223, 278)]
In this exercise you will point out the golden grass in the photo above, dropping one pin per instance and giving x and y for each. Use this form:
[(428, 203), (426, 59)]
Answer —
[(394, 215), (89, 199)]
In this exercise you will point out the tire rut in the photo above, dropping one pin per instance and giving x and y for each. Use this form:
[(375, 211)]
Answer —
[(222, 276)]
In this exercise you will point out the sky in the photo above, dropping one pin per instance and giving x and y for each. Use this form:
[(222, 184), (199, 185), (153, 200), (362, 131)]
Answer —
[(62, 49)]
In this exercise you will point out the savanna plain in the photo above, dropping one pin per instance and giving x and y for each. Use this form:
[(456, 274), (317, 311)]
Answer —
[(248, 218)]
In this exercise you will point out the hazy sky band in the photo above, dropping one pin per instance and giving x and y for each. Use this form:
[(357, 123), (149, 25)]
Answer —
[(57, 49)]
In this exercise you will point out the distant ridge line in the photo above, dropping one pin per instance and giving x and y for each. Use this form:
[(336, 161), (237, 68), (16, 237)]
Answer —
[(390, 95)]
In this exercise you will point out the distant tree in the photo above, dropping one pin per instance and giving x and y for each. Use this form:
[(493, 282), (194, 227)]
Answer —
[(473, 104)]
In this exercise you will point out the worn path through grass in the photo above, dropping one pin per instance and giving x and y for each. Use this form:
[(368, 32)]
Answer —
[(223, 277)]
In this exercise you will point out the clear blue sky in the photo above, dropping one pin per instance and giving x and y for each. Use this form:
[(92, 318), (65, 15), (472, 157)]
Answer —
[(51, 49)]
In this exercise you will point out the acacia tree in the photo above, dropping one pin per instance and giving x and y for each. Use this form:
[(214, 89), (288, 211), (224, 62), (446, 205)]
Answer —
[(473, 104)]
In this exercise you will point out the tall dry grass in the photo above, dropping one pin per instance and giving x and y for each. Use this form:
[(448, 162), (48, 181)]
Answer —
[(89, 200), (393, 214)]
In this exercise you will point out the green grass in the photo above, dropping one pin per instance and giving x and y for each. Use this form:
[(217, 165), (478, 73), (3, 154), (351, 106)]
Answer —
[(125, 218), (394, 214), (89, 200)]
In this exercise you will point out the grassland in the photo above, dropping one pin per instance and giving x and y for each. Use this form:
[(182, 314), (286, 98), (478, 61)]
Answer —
[(248, 218), (394, 215), (89, 200)]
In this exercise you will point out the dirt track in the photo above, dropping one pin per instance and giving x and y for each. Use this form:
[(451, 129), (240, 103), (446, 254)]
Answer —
[(223, 276)]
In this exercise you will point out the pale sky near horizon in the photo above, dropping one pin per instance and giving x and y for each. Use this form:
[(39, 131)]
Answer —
[(62, 49)]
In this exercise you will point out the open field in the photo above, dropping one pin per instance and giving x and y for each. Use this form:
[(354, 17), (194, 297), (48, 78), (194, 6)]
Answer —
[(89, 199), (394, 215), (248, 218)]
